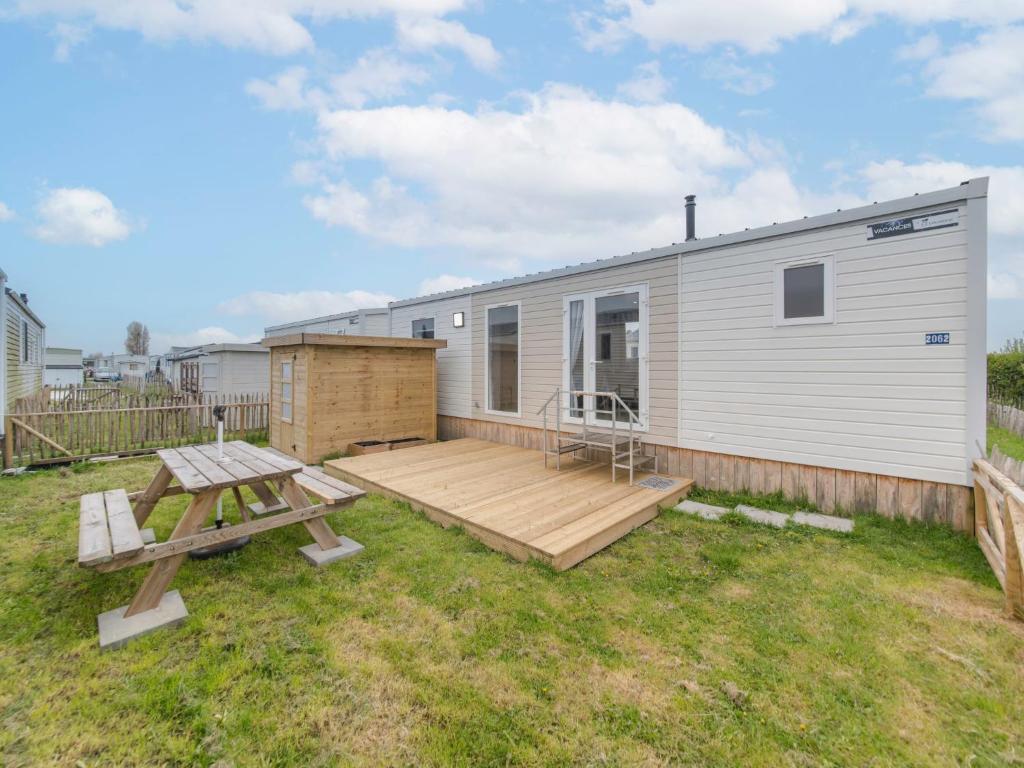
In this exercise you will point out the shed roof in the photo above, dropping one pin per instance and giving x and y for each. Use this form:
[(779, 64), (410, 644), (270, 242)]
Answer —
[(334, 340), (972, 188)]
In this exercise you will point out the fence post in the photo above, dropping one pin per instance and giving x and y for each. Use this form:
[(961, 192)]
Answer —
[(8, 443)]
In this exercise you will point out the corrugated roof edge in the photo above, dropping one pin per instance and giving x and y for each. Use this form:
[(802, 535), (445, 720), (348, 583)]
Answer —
[(973, 188), (205, 349), (326, 318)]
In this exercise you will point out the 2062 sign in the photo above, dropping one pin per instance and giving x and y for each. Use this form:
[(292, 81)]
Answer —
[(936, 338)]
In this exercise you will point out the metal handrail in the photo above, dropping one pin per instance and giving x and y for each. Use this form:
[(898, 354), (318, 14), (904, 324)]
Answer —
[(585, 393), (616, 402)]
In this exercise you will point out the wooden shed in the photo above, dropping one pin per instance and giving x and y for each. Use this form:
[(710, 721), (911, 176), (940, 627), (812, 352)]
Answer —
[(329, 391)]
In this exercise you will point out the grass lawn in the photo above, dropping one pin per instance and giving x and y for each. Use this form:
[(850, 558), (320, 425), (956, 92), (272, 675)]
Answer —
[(1010, 443), (688, 642)]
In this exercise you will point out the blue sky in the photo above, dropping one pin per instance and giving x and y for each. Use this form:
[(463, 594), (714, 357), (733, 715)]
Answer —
[(209, 168)]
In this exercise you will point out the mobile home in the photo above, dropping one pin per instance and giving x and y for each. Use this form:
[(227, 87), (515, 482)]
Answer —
[(63, 367), (360, 322), (24, 339), (838, 358), (218, 369)]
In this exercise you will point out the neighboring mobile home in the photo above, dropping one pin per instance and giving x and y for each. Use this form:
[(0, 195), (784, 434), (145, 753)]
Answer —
[(220, 369), (361, 322), (839, 358), (125, 365), (63, 367), (24, 339)]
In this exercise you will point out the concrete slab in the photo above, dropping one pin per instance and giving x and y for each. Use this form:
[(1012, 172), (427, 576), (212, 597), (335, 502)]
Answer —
[(258, 509), (116, 630), (707, 511), (319, 557), (827, 522), (148, 536), (763, 516)]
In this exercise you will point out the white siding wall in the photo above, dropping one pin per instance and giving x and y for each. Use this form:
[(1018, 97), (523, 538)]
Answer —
[(454, 363), (375, 324), (864, 393), (541, 339), (243, 373)]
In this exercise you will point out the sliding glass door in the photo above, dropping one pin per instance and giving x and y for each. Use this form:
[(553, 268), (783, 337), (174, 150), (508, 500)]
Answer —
[(605, 350)]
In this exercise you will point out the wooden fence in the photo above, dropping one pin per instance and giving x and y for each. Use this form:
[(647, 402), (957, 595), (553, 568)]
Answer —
[(55, 436), (1006, 416), (999, 528), (77, 397)]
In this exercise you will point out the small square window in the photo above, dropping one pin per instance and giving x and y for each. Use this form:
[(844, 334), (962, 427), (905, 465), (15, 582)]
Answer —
[(459, 319), (804, 292), (423, 329)]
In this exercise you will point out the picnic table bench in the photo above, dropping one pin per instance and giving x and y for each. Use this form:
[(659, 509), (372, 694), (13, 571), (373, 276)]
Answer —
[(111, 533)]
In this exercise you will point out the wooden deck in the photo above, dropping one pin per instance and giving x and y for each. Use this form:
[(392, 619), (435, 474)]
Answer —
[(506, 498)]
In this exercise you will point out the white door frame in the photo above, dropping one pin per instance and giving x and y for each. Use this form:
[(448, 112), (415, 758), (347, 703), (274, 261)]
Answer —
[(589, 299)]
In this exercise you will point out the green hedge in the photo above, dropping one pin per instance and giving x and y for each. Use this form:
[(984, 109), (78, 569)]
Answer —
[(1006, 376)]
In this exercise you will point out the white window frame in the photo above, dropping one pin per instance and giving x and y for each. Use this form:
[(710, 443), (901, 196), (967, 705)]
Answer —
[(830, 292), (590, 348), (518, 413), (291, 399)]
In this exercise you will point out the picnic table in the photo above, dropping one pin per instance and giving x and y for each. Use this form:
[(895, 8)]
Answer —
[(111, 523)]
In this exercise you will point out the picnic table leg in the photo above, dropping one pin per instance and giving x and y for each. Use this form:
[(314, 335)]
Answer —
[(163, 571), (240, 503), (329, 546), (145, 503)]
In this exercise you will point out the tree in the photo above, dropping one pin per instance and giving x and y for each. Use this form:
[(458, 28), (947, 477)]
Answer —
[(137, 340), (1013, 345)]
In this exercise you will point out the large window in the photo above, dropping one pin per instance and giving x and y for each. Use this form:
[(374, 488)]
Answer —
[(286, 391), (503, 359), (804, 292), (423, 329)]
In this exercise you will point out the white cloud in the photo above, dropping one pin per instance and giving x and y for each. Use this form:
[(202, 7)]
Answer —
[(737, 77), (894, 178), (1006, 285), (286, 91), (989, 71), (6, 213), (426, 33), (214, 334), (270, 26), (376, 76), (80, 216), (922, 49), (68, 36), (298, 305), (568, 175), (648, 85), (760, 26), (443, 283)]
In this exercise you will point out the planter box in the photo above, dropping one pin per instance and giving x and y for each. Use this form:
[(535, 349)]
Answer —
[(406, 442), (367, 446)]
